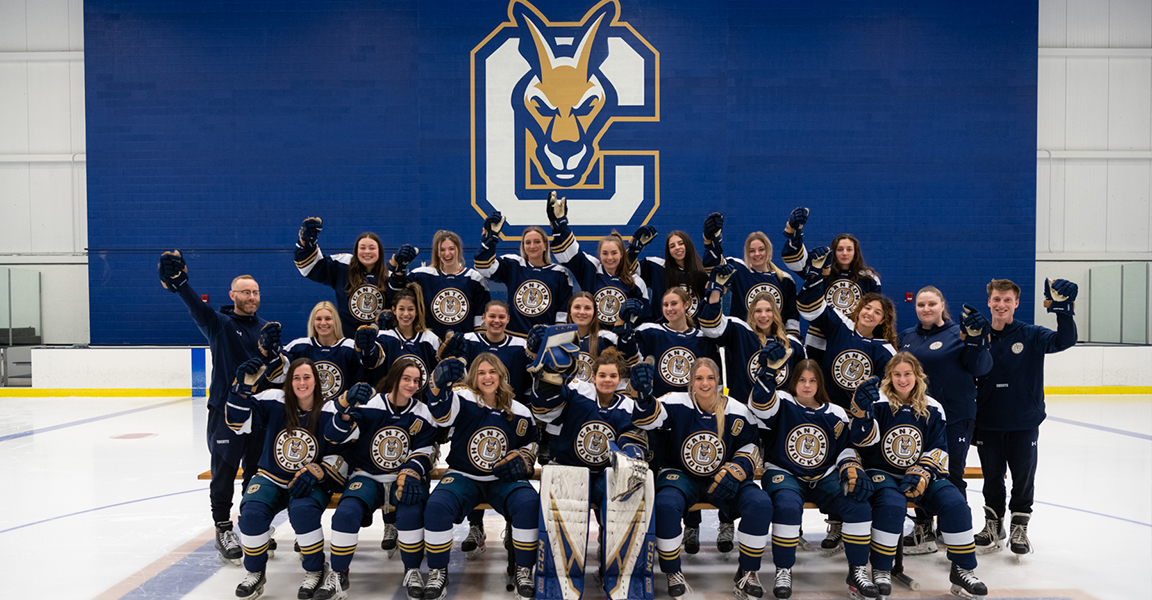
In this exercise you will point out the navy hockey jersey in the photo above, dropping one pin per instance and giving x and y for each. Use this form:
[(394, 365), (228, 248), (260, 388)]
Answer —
[(806, 442), (511, 353), (482, 436), (605, 340), (893, 442), (951, 366), (609, 291), (675, 352), (392, 347), (537, 295), (848, 358), (286, 451), (452, 302), (581, 428), (741, 348), (338, 364), (746, 284), (692, 444), (387, 438), (652, 271), (1011, 396), (233, 339), (364, 305)]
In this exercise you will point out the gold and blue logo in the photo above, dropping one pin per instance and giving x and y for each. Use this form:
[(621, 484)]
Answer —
[(552, 104)]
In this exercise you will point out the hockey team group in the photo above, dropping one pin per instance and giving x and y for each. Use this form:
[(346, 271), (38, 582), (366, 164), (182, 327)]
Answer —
[(606, 370)]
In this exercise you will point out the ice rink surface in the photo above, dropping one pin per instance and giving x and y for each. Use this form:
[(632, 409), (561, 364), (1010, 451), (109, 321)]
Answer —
[(100, 500)]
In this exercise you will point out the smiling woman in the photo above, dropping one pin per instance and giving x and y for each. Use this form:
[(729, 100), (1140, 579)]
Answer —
[(359, 279)]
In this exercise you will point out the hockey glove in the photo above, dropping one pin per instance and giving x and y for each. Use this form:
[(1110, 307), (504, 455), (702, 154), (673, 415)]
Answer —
[(1060, 296), (444, 376), (535, 339), (974, 327), (454, 346), (770, 359), (248, 374), (269, 341), (173, 271), (403, 256), (630, 314), (358, 394), (714, 228), (492, 226), (306, 480), (818, 260), (513, 467), (409, 487), (727, 481), (866, 393), (718, 279), (556, 359), (854, 481), (796, 221), (642, 377), (366, 347), (557, 211), (915, 481), (387, 320), (640, 240), (310, 231)]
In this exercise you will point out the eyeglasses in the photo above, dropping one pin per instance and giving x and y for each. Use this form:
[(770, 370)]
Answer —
[(246, 293)]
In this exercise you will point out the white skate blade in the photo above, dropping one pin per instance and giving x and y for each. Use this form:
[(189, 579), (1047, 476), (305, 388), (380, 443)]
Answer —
[(830, 552), (474, 554), (259, 591), (960, 592), (855, 595), (233, 561), (920, 549), (989, 549), (392, 552)]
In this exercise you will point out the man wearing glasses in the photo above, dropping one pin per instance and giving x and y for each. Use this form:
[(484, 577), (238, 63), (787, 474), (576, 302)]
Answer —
[(234, 336)]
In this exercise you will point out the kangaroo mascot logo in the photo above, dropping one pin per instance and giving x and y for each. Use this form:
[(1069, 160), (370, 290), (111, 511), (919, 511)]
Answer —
[(545, 97)]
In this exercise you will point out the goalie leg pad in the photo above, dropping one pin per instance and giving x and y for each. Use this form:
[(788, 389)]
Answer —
[(629, 533), (564, 499)]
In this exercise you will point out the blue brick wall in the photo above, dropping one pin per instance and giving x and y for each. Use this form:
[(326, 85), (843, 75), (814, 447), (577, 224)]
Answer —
[(216, 127)]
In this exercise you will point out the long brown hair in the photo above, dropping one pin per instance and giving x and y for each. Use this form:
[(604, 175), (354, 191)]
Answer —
[(687, 302), (547, 256), (412, 293), (886, 330), (438, 239), (593, 327), (931, 289), (693, 266), (292, 404), (813, 367), (504, 393), (918, 397), (857, 266), (625, 268), (358, 273), (390, 382), (777, 330)]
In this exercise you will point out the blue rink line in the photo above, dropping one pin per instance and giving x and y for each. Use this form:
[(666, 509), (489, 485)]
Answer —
[(1139, 436), (203, 489), (13, 436), (1073, 508)]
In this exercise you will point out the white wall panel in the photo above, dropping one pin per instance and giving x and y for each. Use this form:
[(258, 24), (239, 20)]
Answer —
[(75, 25), (1130, 24), (79, 140), (1087, 111), (1053, 23), (13, 26), (1128, 182), (15, 206), (1087, 23), (51, 218), (49, 108), (1085, 224), (48, 25), (1129, 103), (13, 108), (1051, 102), (1043, 197), (1050, 223)]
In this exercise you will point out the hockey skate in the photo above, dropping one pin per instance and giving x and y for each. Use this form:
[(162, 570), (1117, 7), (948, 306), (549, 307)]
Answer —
[(859, 586), (312, 581), (389, 542), (691, 540), (782, 588), (414, 584), (271, 542), (725, 533), (334, 586), (966, 585), (252, 586), (883, 582), (473, 545), (525, 586), (437, 586), (988, 539), (747, 585), (677, 585), (922, 540), (228, 544), (1018, 540), (833, 544)]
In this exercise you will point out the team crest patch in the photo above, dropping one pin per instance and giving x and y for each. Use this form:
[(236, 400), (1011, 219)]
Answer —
[(693, 300), (389, 448), (591, 443), (807, 446), (1017, 348), (419, 365), (777, 479), (675, 365), (936, 345), (295, 448), (901, 446), (877, 479), (450, 306), (366, 303), (544, 94), (609, 301), (703, 453), (252, 489), (782, 373), (487, 446), (532, 298), (331, 379), (843, 295), (761, 289), (851, 368), (584, 367)]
